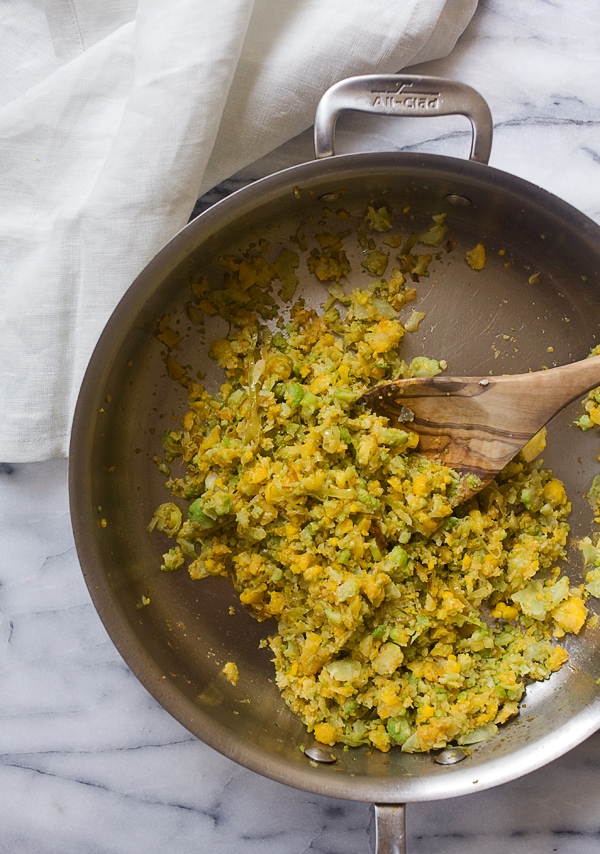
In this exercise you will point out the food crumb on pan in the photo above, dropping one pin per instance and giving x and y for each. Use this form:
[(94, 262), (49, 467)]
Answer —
[(476, 257), (231, 672)]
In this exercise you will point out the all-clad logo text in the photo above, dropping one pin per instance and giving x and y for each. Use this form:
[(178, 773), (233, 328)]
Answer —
[(407, 99)]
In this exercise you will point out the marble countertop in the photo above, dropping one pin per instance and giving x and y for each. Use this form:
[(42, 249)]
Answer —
[(88, 761)]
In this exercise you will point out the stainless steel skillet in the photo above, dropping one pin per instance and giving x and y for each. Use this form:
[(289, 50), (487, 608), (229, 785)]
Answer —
[(536, 303)]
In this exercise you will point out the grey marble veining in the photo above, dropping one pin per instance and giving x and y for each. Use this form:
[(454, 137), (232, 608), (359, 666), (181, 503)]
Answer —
[(88, 761)]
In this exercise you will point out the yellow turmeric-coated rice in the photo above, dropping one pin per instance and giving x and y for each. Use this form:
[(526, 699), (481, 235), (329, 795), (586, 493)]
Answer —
[(399, 618)]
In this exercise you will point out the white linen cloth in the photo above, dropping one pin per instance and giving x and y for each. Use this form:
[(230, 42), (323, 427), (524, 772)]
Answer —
[(115, 116)]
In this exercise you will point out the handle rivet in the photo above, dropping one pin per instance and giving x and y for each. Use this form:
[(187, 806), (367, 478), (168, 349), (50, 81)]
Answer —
[(317, 754), (450, 756), (459, 201)]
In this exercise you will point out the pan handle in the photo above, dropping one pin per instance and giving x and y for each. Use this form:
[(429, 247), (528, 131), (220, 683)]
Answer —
[(404, 95), (390, 828)]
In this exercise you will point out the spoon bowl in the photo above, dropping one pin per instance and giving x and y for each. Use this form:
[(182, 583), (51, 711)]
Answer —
[(476, 425)]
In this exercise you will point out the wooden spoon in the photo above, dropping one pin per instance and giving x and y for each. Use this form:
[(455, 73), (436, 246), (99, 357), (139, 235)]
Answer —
[(476, 425)]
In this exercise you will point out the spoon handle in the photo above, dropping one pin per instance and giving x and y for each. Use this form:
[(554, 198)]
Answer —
[(567, 382), (535, 397)]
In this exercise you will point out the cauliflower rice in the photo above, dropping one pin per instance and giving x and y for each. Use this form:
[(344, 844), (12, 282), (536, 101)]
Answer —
[(399, 617)]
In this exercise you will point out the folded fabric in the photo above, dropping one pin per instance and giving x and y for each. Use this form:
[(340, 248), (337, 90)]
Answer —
[(114, 117)]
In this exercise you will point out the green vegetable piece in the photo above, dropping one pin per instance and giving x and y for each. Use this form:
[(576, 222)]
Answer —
[(374, 549), (413, 322), (421, 366), (394, 437), (589, 551), (236, 397), (593, 582), (343, 671), (171, 443), (421, 267), (527, 498), (375, 262), (378, 220), (399, 556), (222, 503), (594, 494), (398, 729), (293, 394), (285, 264), (198, 516), (348, 589), (436, 233), (279, 341), (398, 635), (333, 616), (345, 395), (479, 734), (369, 502), (167, 519), (172, 560), (309, 404), (473, 481)]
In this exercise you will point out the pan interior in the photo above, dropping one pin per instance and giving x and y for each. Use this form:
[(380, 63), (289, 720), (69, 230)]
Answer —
[(535, 304)]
